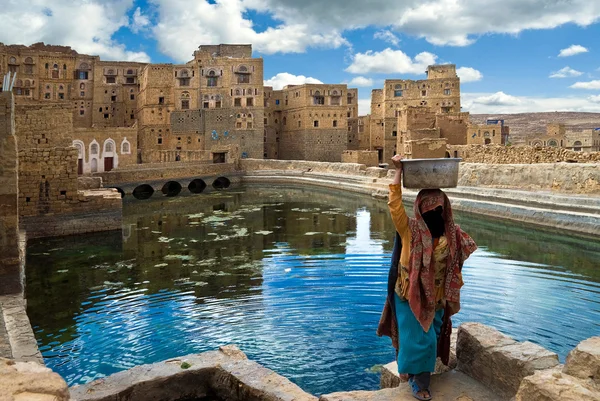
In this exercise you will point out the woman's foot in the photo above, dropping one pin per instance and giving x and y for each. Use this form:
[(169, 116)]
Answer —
[(419, 394)]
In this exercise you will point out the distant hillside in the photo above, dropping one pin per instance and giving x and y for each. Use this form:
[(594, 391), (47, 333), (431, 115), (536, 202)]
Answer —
[(524, 126)]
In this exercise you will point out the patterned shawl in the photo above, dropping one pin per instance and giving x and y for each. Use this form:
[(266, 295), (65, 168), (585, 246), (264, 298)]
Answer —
[(421, 292)]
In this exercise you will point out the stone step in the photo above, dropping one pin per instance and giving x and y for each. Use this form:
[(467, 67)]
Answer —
[(450, 386)]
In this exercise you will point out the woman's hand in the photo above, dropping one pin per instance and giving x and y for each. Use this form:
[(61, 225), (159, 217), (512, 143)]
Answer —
[(398, 165)]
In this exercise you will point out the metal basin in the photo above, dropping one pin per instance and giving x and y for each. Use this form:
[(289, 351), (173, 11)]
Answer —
[(430, 173)]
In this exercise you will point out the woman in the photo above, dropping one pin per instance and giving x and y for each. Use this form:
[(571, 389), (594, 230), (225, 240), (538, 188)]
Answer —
[(424, 283)]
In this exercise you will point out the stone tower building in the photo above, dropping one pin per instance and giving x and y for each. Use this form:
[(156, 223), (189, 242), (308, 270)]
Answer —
[(204, 106), (440, 93), (310, 122)]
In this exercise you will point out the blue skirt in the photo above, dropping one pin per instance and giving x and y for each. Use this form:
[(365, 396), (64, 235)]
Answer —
[(417, 351)]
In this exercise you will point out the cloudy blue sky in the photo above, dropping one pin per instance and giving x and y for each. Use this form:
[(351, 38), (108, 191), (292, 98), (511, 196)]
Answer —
[(513, 55)]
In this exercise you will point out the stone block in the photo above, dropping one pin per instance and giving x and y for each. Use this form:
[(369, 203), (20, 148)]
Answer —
[(554, 385), (20, 381), (497, 360), (391, 379), (584, 361)]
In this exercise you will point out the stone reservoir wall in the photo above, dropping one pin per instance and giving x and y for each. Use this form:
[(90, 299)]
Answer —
[(496, 154), (562, 177), (10, 267), (577, 178)]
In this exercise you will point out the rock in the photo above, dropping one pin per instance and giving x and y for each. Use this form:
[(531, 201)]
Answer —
[(554, 385), (584, 361), (497, 360), (389, 373), (233, 351), (389, 376), (226, 373), (30, 381)]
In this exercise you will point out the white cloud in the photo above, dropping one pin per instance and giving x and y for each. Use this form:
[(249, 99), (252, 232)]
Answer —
[(572, 51), (183, 25), (360, 82), (586, 85), (566, 72), (441, 22), (468, 74), (283, 78), (139, 21), (364, 107), (87, 28), (594, 99), (498, 99), (387, 36), (390, 61), (486, 103)]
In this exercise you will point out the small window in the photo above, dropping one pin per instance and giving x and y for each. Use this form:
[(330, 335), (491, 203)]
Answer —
[(185, 104), (205, 105), (131, 116), (110, 80), (316, 124), (113, 98), (46, 95), (237, 102), (105, 115), (319, 100), (130, 80), (160, 140), (447, 91), (243, 78), (277, 102), (81, 112), (238, 125), (394, 133), (398, 93), (423, 93), (249, 125), (61, 96), (94, 149), (82, 74), (132, 97), (249, 102), (211, 81), (161, 100), (299, 125), (184, 82), (334, 123)]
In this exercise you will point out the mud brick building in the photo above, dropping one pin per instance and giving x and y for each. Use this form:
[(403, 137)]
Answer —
[(493, 132), (560, 135), (417, 118), (310, 122)]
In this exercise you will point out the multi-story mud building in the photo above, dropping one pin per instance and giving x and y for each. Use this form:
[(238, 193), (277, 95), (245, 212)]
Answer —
[(438, 94), (577, 139), (310, 122), (126, 112)]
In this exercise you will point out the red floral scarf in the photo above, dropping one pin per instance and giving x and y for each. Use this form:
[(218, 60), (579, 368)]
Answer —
[(421, 292)]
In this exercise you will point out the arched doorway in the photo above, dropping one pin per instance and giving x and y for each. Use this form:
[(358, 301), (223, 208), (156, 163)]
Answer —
[(488, 141), (109, 155), (80, 156), (577, 146), (94, 165)]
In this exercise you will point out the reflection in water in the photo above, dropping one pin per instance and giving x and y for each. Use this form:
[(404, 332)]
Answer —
[(296, 277)]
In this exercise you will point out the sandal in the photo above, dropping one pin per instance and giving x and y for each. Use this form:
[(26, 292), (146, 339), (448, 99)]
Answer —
[(415, 390)]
